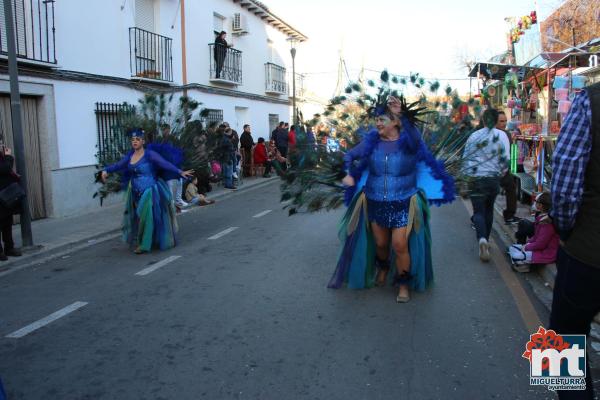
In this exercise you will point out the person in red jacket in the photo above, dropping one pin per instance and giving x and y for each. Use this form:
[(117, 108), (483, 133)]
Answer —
[(542, 247), (292, 138), (261, 158)]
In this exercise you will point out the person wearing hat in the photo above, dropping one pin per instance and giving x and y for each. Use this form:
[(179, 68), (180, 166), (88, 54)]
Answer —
[(542, 247), (149, 218)]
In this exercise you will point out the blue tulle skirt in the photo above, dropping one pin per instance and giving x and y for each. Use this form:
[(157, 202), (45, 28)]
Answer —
[(149, 218), (355, 265)]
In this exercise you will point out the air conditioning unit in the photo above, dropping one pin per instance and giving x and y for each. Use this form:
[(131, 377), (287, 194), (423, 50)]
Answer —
[(239, 24)]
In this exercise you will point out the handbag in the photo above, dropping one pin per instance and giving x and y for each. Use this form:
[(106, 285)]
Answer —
[(10, 196)]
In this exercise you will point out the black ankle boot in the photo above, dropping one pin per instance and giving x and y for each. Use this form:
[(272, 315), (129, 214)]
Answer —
[(403, 278), (382, 266)]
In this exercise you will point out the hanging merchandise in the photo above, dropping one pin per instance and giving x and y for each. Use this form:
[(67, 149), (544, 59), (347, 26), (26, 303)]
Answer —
[(533, 101), (514, 154), (523, 24), (563, 108), (511, 80), (561, 94), (579, 82), (560, 82)]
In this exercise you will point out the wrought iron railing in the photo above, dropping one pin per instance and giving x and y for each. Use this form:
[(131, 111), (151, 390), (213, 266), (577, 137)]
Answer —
[(151, 55), (212, 117), (275, 79), (225, 63), (112, 141), (34, 30)]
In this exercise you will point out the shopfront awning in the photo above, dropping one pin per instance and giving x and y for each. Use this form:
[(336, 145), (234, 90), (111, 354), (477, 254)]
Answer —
[(495, 71), (574, 60)]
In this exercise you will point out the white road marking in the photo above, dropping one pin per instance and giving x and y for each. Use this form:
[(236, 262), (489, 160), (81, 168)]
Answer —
[(157, 265), (223, 233), (46, 320), (262, 214)]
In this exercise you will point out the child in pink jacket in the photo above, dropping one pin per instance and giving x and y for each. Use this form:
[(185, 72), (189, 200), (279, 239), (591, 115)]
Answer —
[(542, 247)]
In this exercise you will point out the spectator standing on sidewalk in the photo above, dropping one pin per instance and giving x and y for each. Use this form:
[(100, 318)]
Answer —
[(7, 177), (174, 181), (227, 156), (279, 126), (576, 213), (486, 161), (292, 138), (281, 140), (247, 144), (235, 141), (508, 182)]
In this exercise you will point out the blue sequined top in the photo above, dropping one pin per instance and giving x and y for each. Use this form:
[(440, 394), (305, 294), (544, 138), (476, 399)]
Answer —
[(144, 173), (392, 173)]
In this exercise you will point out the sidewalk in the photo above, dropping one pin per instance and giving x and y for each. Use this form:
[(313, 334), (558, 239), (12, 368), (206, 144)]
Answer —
[(541, 278), (55, 237)]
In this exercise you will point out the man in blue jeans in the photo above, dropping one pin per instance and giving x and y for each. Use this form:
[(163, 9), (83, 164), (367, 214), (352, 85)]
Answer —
[(485, 162), (576, 213)]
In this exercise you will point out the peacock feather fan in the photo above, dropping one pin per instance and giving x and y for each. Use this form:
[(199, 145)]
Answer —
[(313, 181)]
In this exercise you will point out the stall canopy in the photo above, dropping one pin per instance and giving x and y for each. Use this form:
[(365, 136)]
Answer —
[(489, 70), (575, 60)]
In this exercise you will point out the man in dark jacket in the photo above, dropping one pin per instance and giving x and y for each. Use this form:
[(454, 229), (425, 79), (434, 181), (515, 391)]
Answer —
[(576, 214), (7, 177), (246, 144), (220, 52), (280, 137), (227, 157)]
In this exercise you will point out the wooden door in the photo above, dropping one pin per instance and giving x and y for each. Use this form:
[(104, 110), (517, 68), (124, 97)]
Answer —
[(33, 159)]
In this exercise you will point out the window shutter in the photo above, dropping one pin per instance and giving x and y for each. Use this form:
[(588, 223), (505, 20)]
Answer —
[(144, 14)]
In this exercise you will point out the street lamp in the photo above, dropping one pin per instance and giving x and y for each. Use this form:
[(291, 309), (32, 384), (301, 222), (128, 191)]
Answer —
[(293, 42), (17, 126)]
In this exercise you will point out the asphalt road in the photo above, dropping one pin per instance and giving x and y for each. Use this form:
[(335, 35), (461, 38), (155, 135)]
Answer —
[(248, 316)]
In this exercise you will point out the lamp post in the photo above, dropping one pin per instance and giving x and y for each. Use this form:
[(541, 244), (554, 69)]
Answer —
[(293, 42), (17, 127)]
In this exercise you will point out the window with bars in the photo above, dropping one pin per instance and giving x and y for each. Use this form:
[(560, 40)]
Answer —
[(212, 117), (112, 140)]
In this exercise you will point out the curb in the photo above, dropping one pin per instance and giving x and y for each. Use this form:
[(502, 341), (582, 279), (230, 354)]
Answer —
[(41, 254)]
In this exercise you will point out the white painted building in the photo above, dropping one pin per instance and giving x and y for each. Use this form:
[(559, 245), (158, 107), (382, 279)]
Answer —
[(74, 54)]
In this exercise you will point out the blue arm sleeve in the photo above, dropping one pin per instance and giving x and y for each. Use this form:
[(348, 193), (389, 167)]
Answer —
[(161, 163), (119, 166), (352, 154)]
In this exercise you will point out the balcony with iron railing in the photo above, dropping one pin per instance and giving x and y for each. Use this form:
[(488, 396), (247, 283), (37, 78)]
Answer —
[(300, 91), (34, 31), (151, 55), (275, 79), (225, 64)]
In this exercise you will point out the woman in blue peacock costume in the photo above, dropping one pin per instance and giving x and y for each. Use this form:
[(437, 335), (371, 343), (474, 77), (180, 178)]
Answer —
[(391, 179), (149, 217)]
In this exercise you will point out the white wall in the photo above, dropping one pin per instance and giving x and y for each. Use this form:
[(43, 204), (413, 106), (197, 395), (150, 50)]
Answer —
[(76, 130), (254, 45), (257, 111), (92, 36)]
